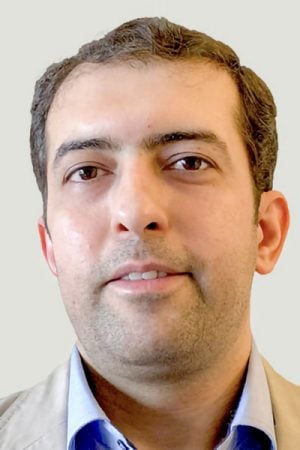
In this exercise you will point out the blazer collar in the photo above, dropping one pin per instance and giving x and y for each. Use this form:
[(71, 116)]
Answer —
[(285, 397)]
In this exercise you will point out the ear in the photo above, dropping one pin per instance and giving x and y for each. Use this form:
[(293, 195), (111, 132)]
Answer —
[(47, 246), (273, 224)]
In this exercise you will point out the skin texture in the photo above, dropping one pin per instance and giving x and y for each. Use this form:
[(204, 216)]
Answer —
[(185, 207)]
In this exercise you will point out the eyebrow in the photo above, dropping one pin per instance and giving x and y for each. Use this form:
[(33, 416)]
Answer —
[(150, 143)]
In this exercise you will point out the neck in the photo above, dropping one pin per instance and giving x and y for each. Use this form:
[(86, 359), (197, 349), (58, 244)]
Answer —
[(191, 414)]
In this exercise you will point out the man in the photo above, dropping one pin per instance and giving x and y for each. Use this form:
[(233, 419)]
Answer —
[(154, 151)]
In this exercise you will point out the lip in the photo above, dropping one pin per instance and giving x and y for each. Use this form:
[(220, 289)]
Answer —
[(142, 267)]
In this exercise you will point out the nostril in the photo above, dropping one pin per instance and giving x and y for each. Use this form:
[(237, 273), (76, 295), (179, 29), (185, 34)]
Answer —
[(151, 226), (122, 227)]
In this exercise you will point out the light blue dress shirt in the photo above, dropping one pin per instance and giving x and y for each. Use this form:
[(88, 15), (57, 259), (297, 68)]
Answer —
[(252, 426)]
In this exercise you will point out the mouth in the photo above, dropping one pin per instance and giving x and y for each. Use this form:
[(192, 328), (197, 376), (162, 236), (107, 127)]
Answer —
[(149, 275)]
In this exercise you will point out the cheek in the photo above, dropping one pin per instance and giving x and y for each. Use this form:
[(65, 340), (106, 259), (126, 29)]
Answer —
[(76, 239), (217, 222)]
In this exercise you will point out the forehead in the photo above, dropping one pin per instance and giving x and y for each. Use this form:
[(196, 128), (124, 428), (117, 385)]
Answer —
[(185, 75), (141, 96)]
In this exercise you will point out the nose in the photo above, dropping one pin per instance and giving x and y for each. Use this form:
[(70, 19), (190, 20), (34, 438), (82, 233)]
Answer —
[(139, 203)]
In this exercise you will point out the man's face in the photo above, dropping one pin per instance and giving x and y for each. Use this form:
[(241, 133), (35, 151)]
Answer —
[(151, 214)]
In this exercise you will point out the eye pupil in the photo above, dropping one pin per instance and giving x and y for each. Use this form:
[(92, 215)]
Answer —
[(86, 173), (192, 163)]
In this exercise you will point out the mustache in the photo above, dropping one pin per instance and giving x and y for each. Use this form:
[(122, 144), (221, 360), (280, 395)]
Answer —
[(138, 250)]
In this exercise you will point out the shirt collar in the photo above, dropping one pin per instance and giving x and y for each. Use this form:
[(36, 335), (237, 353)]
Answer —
[(254, 408), (82, 406)]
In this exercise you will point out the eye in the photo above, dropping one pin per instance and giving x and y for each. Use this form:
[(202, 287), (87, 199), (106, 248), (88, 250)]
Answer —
[(85, 173), (190, 163)]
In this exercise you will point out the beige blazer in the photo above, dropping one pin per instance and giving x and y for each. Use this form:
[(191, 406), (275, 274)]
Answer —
[(36, 419)]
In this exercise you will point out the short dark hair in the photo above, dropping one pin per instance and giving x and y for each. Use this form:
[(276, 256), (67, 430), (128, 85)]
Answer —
[(150, 39)]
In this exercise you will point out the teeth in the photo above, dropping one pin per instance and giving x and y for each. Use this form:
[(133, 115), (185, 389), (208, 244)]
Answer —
[(151, 275), (135, 276)]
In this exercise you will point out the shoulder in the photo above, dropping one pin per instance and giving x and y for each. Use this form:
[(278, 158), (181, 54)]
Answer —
[(32, 414)]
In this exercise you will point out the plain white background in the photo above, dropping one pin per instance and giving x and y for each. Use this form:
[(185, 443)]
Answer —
[(35, 334)]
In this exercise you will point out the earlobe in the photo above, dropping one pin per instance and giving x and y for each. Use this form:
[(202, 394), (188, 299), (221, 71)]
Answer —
[(273, 224), (47, 246)]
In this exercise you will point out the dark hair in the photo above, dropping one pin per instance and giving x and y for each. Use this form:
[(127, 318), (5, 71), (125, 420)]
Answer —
[(149, 39)]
